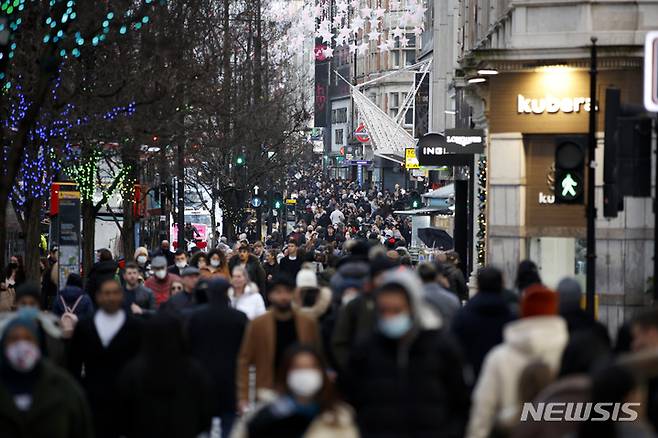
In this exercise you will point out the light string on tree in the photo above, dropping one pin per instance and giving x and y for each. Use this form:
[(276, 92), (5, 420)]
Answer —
[(481, 244), (58, 20)]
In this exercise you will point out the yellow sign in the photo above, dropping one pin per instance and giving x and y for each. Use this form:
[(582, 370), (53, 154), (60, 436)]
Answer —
[(291, 201), (410, 160)]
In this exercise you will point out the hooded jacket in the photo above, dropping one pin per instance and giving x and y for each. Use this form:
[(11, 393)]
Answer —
[(412, 386), (478, 326), (495, 399), (70, 294)]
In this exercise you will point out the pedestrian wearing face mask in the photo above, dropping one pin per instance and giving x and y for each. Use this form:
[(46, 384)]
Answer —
[(406, 380), (180, 263), (142, 260), (37, 398), (306, 404), (268, 336), (160, 281), (218, 265)]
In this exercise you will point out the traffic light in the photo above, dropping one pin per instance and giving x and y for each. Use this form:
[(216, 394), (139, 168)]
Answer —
[(277, 202), (570, 169), (627, 153), (240, 160), (415, 200)]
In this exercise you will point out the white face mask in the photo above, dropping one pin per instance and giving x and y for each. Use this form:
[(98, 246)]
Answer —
[(181, 265), (23, 355), (305, 382), (141, 259), (215, 263), (160, 273)]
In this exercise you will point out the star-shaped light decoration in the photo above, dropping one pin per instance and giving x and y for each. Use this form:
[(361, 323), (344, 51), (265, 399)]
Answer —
[(328, 52), (418, 30), (383, 47), (404, 41), (390, 42), (343, 36), (325, 34), (353, 48), (363, 49), (404, 20), (355, 4), (342, 7), (379, 12), (357, 23), (366, 12), (373, 35), (397, 32)]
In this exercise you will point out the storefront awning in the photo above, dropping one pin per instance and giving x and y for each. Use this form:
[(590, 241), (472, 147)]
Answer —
[(425, 211)]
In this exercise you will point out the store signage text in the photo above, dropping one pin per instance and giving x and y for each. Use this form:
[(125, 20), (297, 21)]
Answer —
[(545, 199), (551, 105)]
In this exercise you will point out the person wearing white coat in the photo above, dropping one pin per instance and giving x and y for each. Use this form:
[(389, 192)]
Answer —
[(539, 336), (244, 294)]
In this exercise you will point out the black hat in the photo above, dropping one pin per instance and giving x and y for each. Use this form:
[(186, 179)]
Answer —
[(28, 290), (282, 279)]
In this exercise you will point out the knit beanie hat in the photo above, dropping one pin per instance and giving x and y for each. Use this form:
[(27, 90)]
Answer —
[(538, 300)]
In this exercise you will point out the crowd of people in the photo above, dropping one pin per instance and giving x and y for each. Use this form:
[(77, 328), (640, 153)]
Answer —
[(330, 330)]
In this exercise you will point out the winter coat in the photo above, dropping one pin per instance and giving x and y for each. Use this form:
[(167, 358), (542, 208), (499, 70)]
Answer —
[(215, 333), (70, 294), (254, 269), (259, 349), (177, 408), (250, 302), (100, 272), (280, 419), (495, 399), (573, 388), (444, 301), (356, 321), (182, 302), (412, 388), (478, 326), (141, 295), (102, 366), (291, 267), (161, 288), (59, 408)]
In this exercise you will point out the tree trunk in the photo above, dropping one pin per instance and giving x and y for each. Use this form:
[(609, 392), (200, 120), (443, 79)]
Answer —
[(88, 234), (128, 229), (32, 238), (213, 223)]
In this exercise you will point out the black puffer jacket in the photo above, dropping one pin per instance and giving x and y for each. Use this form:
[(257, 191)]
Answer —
[(478, 326), (402, 390)]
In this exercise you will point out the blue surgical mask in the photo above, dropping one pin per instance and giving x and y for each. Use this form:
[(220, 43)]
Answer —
[(396, 326)]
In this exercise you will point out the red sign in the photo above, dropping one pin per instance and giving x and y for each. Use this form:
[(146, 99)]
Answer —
[(361, 134)]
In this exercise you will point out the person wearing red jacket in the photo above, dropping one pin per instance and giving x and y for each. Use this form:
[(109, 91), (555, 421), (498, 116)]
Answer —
[(160, 281)]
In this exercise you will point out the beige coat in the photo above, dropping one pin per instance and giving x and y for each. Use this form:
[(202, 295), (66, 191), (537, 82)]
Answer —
[(258, 349), (495, 399)]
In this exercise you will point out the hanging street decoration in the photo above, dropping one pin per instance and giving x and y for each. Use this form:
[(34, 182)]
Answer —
[(348, 24)]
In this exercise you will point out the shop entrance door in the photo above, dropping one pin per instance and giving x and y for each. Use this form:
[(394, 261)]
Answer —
[(557, 257)]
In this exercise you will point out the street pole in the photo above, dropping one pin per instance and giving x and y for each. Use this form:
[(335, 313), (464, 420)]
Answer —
[(655, 220), (181, 195), (591, 188)]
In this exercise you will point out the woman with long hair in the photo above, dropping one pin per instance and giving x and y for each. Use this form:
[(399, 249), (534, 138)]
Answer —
[(306, 404), (244, 294)]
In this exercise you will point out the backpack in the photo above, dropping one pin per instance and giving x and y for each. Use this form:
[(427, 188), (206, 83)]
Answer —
[(69, 319)]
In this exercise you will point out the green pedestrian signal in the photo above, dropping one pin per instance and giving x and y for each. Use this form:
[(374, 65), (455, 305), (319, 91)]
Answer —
[(570, 169), (568, 186), (240, 161)]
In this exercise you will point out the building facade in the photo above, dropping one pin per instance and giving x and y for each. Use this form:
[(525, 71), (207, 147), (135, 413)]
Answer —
[(524, 68)]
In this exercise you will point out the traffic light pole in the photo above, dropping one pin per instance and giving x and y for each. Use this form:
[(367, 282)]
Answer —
[(591, 188), (655, 221)]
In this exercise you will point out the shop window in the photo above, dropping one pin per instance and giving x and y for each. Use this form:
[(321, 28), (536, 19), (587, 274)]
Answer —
[(338, 137)]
